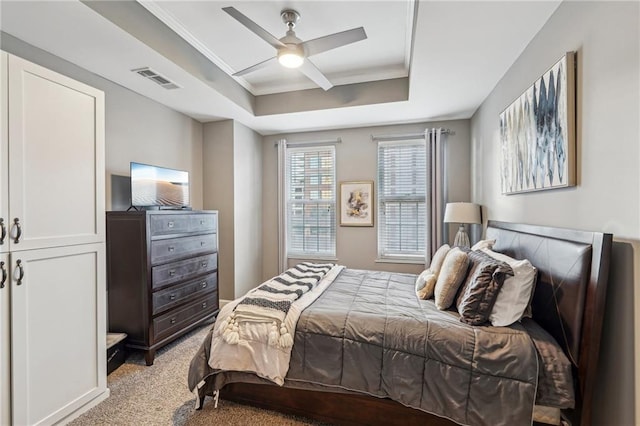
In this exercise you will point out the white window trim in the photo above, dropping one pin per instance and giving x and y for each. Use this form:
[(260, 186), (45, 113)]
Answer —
[(397, 258), (307, 147)]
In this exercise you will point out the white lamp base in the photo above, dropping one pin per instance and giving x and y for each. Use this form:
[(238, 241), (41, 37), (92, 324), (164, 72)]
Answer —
[(462, 239)]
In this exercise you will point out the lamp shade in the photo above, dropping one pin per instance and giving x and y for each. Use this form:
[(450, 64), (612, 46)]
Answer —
[(462, 213)]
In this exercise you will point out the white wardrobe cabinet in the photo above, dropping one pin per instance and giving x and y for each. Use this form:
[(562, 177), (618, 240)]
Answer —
[(52, 301)]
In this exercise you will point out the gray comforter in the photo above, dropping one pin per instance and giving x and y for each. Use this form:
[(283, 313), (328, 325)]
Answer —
[(368, 332)]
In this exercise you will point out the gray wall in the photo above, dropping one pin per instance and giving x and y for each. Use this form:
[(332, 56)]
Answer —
[(137, 128), (219, 195), (248, 208), (232, 175), (605, 36), (356, 159)]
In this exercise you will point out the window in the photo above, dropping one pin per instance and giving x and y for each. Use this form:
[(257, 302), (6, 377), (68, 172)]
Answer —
[(402, 175), (311, 201)]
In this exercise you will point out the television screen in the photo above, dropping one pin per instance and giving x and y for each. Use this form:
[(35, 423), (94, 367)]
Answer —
[(158, 186)]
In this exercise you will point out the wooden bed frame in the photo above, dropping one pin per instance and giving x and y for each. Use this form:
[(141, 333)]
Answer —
[(568, 302)]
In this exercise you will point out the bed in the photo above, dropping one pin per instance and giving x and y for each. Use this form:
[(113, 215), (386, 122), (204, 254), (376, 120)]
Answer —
[(568, 304)]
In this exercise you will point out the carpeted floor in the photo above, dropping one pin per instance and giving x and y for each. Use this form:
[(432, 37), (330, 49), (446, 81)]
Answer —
[(158, 395)]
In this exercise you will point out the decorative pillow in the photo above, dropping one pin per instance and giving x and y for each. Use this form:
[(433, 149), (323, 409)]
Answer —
[(434, 268), (422, 279), (483, 244), (517, 291), (427, 291), (438, 259), (475, 259), (480, 296), (453, 272)]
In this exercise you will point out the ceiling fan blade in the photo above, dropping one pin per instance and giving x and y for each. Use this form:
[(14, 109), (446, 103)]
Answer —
[(255, 67), (255, 28), (322, 44), (311, 71)]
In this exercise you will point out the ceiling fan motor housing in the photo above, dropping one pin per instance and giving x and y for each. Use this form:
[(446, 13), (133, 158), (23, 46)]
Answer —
[(290, 17)]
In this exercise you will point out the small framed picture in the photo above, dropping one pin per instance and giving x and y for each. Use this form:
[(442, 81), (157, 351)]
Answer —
[(356, 203)]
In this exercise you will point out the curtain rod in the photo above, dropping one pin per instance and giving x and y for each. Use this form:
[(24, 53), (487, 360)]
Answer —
[(314, 142), (407, 135)]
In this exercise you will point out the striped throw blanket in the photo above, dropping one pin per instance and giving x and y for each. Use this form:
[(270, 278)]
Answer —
[(270, 303)]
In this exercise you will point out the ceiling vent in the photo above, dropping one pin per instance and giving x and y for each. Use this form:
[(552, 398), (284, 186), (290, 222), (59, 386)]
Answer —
[(157, 78)]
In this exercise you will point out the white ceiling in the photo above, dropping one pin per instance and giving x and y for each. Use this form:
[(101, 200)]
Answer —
[(384, 54), (460, 51)]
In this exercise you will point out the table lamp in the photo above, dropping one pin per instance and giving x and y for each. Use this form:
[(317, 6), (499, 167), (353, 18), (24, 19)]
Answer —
[(462, 213)]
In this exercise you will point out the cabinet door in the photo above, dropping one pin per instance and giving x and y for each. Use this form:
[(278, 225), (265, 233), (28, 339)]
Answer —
[(59, 331), (4, 152), (56, 158), (5, 336)]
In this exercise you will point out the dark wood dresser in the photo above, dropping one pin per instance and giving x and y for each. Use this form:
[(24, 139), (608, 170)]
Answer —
[(162, 274)]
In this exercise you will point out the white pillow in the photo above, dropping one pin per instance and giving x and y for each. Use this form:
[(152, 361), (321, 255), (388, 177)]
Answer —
[(482, 244), (516, 292)]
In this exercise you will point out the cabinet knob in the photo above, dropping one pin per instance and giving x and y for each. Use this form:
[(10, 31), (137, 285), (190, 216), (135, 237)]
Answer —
[(172, 272), (204, 264), (202, 222), (204, 305), (202, 243), (173, 320), (170, 224), (171, 248), (204, 284), (18, 228), (20, 274), (172, 297), (3, 231), (4, 275)]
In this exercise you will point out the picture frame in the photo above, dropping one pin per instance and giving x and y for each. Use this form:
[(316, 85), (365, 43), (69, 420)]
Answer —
[(356, 203), (538, 133)]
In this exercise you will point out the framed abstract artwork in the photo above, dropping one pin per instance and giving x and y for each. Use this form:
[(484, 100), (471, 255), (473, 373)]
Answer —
[(537, 133), (356, 203)]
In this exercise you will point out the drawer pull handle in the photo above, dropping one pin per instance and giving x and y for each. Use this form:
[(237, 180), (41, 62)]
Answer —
[(170, 224), (204, 264), (172, 272), (3, 231), (16, 223), (204, 284), (202, 222), (202, 243), (171, 248), (204, 305), (4, 275), (172, 297), (173, 320), (21, 270)]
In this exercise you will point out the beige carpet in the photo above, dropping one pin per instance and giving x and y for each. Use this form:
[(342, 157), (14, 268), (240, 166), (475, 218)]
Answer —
[(158, 395)]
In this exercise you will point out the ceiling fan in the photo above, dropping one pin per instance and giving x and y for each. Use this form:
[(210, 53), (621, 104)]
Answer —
[(293, 52)]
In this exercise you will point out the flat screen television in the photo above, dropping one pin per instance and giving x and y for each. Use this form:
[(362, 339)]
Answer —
[(153, 186)]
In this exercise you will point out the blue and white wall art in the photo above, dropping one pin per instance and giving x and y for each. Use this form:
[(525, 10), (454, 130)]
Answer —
[(537, 133)]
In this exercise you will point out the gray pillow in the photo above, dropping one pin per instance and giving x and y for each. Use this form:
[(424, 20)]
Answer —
[(480, 296)]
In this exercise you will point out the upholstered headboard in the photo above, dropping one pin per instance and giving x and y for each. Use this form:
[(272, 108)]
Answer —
[(570, 292)]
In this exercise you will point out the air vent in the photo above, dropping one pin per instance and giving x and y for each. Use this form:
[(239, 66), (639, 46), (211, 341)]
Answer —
[(154, 76)]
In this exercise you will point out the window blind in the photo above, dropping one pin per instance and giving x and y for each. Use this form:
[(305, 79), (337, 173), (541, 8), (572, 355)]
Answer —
[(311, 200), (402, 175)]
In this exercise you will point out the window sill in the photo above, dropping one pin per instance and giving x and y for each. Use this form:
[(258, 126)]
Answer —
[(312, 257), (401, 260)]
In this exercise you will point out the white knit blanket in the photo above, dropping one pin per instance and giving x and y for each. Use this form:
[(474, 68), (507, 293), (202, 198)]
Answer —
[(245, 336), (271, 301)]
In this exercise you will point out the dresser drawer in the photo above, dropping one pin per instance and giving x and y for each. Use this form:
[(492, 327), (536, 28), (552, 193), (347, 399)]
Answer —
[(163, 275), (165, 299), (177, 248), (173, 321), (166, 224)]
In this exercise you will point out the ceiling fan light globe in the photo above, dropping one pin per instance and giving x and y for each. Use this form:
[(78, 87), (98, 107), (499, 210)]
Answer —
[(290, 59)]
